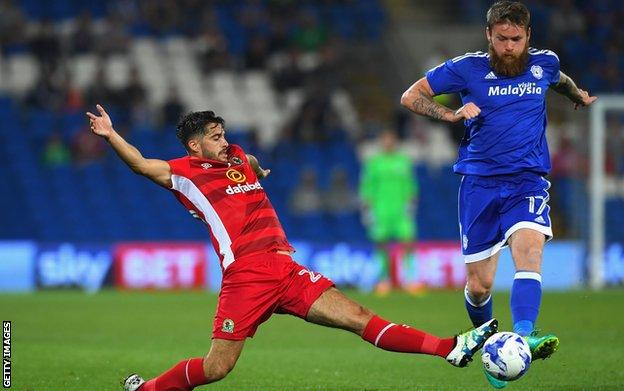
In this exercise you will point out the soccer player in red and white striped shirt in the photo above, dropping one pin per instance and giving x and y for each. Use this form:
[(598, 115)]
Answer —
[(219, 184)]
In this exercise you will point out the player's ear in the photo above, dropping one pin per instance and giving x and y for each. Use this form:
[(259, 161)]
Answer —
[(488, 33), (529, 34), (193, 145)]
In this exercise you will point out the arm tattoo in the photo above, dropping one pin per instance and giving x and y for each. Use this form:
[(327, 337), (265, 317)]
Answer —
[(425, 105), (567, 87)]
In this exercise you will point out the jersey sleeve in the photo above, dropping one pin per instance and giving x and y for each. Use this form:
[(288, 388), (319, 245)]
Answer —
[(554, 66), (178, 166), (449, 77)]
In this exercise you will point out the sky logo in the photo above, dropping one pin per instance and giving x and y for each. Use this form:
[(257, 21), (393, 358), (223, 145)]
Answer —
[(68, 265)]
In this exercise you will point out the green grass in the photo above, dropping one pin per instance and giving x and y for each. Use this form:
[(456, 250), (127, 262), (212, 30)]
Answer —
[(76, 341)]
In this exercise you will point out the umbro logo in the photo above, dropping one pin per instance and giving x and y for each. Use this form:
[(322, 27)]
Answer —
[(206, 166), (490, 76)]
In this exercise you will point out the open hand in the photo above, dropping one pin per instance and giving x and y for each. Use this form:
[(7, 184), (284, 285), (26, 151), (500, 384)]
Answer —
[(100, 125)]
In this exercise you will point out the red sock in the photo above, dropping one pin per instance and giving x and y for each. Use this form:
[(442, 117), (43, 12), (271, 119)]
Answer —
[(402, 338), (185, 376)]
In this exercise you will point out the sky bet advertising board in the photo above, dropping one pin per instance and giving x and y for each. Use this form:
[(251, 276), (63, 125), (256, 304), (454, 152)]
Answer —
[(26, 265)]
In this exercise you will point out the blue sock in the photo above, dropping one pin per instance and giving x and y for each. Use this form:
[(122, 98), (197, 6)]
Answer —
[(526, 295), (479, 312)]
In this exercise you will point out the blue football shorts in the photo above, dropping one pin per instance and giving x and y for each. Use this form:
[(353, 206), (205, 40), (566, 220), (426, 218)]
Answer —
[(492, 208)]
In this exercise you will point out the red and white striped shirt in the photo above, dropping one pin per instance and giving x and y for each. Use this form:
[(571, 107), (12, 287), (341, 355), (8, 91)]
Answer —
[(229, 198)]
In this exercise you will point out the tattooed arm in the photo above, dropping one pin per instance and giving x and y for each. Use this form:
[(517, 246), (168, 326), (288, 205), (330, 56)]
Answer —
[(568, 88), (419, 99)]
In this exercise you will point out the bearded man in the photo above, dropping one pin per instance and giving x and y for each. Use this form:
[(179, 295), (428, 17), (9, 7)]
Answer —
[(503, 159)]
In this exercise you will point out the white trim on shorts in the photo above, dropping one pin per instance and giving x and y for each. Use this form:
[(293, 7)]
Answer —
[(482, 255)]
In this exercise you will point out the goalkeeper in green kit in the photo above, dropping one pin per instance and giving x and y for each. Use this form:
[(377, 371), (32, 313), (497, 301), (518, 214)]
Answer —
[(389, 194)]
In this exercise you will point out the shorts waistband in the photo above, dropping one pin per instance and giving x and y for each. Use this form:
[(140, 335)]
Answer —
[(278, 255)]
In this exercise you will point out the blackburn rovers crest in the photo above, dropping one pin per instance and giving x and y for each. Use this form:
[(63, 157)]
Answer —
[(228, 326)]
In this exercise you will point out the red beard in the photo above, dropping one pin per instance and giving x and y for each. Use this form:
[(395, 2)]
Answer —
[(509, 66)]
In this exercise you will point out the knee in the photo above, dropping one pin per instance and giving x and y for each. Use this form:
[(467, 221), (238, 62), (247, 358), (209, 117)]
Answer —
[(479, 288), (528, 258), (215, 371)]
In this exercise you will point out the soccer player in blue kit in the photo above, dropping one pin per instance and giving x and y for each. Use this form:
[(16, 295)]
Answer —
[(503, 158)]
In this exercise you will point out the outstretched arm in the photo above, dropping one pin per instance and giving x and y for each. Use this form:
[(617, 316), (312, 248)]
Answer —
[(419, 99), (568, 88), (154, 169), (260, 172)]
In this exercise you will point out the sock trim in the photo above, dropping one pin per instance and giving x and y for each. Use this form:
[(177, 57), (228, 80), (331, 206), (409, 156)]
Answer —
[(528, 276), (188, 380), (382, 332), (469, 300)]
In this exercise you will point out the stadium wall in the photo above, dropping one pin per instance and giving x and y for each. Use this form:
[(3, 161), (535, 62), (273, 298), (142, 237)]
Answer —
[(28, 265)]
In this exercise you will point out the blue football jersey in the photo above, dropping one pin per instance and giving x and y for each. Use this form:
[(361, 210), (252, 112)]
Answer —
[(509, 135)]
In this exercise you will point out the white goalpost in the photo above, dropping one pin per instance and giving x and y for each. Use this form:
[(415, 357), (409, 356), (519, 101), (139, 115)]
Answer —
[(597, 149)]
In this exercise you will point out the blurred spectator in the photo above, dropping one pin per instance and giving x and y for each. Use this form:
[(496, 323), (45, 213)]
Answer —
[(212, 48), (46, 47), (172, 109), (114, 38), (306, 199), (565, 20), (340, 197), (55, 152), (257, 53), (135, 93), (280, 35), (82, 38), (162, 17), (12, 27), (100, 90), (87, 149), (46, 93), (568, 162), (310, 34), (287, 74)]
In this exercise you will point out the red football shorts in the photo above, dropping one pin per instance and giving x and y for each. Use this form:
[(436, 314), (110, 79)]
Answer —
[(255, 287)]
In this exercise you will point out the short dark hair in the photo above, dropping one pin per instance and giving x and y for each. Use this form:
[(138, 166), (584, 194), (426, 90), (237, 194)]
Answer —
[(513, 12), (194, 123)]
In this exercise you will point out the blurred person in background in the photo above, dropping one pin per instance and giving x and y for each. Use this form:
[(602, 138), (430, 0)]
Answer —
[(503, 158), (389, 194), (340, 198), (171, 109), (55, 152), (306, 198), (219, 184)]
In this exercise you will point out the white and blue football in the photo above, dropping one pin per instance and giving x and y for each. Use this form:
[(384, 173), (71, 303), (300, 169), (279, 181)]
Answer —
[(506, 356)]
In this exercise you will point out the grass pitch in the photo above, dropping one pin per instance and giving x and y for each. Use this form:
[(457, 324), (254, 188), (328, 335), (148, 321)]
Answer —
[(77, 341)]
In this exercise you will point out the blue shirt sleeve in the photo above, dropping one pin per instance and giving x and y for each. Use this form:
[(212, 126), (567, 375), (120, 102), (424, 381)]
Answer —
[(554, 65), (448, 77)]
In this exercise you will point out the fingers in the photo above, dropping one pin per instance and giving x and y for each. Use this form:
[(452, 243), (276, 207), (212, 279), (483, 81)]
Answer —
[(103, 112), (468, 111), (91, 115)]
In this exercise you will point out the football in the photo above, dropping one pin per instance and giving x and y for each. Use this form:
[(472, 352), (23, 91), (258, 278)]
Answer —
[(506, 356)]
